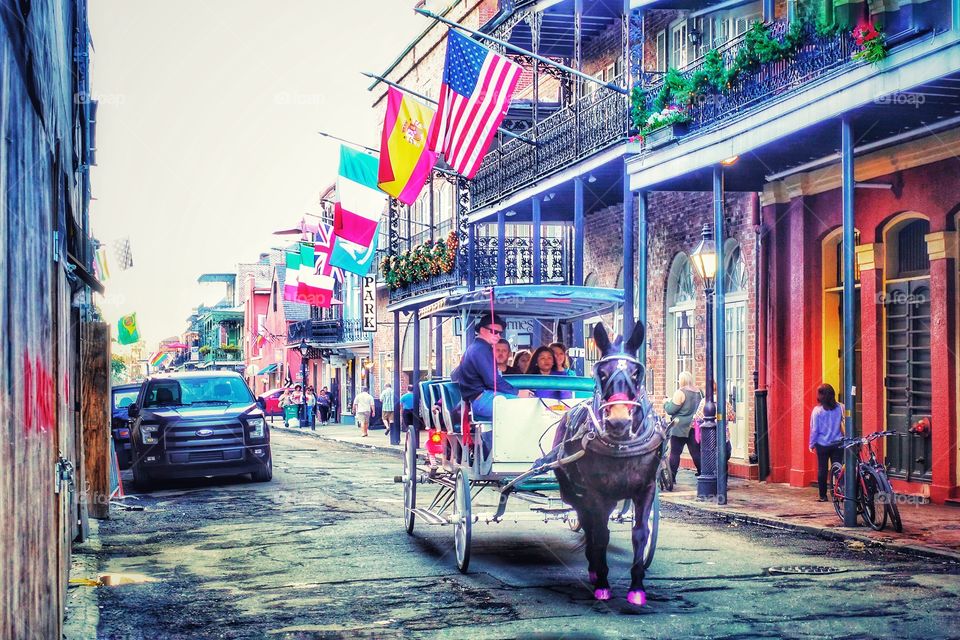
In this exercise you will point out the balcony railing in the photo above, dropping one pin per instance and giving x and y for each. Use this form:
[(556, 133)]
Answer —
[(819, 56), (592, 123), (556, 264), (326, 332), (216, 355)]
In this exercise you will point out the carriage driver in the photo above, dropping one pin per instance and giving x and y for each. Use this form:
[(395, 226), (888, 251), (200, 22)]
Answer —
[(478, 374)]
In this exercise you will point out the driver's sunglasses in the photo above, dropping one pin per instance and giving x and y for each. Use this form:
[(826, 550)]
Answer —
[(496, 332)]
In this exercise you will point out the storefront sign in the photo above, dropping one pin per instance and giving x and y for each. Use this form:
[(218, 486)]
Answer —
[(368, 301)]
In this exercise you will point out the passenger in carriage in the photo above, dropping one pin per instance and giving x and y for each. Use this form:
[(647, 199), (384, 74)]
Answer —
[(544, 362), (563, 362), (478, 376), (502, 354), (521, 360)]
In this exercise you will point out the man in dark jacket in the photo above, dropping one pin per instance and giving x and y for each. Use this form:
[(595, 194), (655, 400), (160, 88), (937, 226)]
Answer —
[(477, 376)]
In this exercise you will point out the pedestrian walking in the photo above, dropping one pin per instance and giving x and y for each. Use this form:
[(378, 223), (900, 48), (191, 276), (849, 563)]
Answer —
[(681, 408), (283, 403), (387, 402), (323, 406), (297, 398), (363, 409), (826, 434), (406, 405), (310, 403)]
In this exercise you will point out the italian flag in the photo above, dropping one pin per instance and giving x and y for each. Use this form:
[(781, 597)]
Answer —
[(292, 277), (360, 203)]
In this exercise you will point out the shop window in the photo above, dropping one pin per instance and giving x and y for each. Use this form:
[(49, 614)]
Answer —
[(681, 322)]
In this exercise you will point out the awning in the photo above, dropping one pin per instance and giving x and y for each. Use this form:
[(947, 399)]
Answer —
[(270, 368)]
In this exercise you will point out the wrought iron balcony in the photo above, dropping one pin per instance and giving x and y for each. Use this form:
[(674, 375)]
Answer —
[(556, 267), (326, 332), (819, 56), (556, 263), (217, 355), (573, 133)]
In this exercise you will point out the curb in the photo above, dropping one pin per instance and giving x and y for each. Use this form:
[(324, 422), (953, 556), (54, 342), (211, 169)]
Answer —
[(828, 533), (356, 445)]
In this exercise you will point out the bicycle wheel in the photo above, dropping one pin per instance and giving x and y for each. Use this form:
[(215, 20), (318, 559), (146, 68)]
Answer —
[(873, 498), (893, 512), (836, 477)]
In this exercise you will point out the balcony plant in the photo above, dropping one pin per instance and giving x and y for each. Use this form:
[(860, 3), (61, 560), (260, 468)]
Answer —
[(873, 46), (421, 263), (205, 349)]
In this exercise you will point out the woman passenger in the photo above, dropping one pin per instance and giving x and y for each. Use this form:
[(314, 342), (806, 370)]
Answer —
[(521, 361), (544, 362), (563, 362)]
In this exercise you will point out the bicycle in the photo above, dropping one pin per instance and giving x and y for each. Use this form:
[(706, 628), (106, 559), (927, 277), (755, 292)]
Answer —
[(875, 499)]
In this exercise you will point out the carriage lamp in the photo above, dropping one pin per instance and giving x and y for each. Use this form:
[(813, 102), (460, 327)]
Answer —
[(704, 259)]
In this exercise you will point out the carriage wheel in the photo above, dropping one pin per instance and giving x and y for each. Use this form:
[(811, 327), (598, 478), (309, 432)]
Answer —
[(653, 526), (462, 520), (409, 478)]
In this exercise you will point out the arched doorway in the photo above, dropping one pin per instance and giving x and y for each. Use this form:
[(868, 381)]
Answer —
[(907, 379), (832, 318), (680, 321), (735, 313)]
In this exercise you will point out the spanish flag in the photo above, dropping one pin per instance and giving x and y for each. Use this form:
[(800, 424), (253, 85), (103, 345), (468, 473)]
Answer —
[(405, 162)]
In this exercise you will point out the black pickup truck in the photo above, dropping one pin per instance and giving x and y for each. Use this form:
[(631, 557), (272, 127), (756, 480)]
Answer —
[(195, 424)]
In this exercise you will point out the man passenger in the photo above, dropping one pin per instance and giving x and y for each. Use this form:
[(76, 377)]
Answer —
[(502, 354)]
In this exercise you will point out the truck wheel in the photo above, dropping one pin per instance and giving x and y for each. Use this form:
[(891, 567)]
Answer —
[(141, 479), (264, 473)]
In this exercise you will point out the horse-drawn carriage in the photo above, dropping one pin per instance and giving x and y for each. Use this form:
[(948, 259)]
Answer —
[(507, 456)]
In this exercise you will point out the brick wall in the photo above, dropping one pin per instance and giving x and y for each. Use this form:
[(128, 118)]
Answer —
[(674, 221)]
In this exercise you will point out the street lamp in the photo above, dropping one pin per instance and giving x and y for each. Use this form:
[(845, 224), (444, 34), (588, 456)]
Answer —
[(704, 259), (304, 349)]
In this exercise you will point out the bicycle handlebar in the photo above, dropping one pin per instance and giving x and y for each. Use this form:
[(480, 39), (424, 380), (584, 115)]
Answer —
[(856, 442)]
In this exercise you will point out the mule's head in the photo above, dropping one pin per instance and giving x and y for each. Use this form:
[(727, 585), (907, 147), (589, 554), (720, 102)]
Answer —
[(619, 378)]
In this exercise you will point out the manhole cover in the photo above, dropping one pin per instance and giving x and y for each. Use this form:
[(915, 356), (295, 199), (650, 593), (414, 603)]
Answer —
[(803, 570)]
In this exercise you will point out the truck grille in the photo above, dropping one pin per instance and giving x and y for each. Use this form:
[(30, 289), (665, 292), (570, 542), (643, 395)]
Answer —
[(183, 435)]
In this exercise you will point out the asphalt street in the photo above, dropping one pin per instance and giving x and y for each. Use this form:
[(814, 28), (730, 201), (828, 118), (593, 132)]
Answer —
[(320, 552)]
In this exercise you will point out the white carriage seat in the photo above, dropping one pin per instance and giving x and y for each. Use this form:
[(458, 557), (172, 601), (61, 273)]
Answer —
[(521, 426)]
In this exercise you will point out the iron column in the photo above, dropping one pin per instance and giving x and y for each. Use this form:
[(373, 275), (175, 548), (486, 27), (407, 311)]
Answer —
[(850, 461)]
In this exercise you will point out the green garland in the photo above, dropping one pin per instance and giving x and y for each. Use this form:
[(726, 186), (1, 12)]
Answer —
[(679, 92), (421, 263)]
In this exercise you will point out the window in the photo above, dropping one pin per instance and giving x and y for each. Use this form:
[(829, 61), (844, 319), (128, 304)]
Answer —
[(678, 45), (681, 322), (662, 62)]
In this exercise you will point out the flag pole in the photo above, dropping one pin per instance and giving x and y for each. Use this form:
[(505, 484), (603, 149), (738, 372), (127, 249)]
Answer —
[(513, 47), (389, 83), (348, 142)]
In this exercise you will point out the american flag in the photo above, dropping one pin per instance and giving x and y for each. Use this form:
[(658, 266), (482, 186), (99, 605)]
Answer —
[(474, 97)]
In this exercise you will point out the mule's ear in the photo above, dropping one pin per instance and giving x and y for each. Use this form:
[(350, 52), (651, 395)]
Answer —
[(601, 338), (636, 338)]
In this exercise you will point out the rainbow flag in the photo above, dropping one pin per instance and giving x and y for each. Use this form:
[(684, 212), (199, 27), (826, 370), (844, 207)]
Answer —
[(159, 358), (405, 161)]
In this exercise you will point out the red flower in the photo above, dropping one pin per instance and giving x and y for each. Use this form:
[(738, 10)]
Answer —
[(865, 32)]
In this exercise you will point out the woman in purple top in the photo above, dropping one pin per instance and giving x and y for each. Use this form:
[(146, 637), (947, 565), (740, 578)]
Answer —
[(826, 433), (544, 362)]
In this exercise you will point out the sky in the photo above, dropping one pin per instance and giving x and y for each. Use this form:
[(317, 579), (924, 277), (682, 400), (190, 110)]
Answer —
[(207, 132)]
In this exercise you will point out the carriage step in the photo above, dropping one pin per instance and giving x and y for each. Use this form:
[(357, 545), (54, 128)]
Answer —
[(552, 505), (429, 517)]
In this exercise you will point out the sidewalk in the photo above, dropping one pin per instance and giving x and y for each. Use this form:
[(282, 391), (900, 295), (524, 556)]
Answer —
[(928, 529)]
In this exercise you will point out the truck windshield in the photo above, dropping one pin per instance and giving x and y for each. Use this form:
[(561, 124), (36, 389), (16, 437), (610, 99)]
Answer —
[(190, 391)]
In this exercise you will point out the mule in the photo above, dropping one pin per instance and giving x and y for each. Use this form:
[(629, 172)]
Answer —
[(621, 437)]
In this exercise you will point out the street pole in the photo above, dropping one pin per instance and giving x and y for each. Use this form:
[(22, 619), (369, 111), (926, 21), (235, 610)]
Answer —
[(850, 461), (704, 258)]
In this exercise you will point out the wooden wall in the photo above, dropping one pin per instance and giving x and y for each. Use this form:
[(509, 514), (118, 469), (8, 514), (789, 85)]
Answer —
[(39, 368)]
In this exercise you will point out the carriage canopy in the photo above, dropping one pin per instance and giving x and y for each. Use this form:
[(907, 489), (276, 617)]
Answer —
[(545, 302)]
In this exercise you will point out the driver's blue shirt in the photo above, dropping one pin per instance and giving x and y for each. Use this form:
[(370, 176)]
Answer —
[(478, 372)]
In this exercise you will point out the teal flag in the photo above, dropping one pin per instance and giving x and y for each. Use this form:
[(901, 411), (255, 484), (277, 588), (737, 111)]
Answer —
[(353, 257)]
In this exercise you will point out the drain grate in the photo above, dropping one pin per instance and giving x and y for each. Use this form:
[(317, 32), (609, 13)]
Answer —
[(803, 569)]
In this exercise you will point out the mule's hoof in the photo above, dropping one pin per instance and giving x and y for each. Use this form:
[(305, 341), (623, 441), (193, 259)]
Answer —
[(601, 594), (638, 597), (592, 577)]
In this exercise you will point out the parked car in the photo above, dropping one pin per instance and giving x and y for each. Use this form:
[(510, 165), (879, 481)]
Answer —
[(198, 423), (272, 402), (121, 397)]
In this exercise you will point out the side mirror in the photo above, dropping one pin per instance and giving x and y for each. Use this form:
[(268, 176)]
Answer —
[(261, 403), (133, 411)]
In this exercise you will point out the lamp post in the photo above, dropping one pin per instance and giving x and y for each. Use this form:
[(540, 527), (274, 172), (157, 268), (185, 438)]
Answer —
[(704, 259)]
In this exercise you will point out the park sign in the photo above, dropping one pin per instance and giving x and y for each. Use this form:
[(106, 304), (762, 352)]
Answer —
[(368, 302)]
